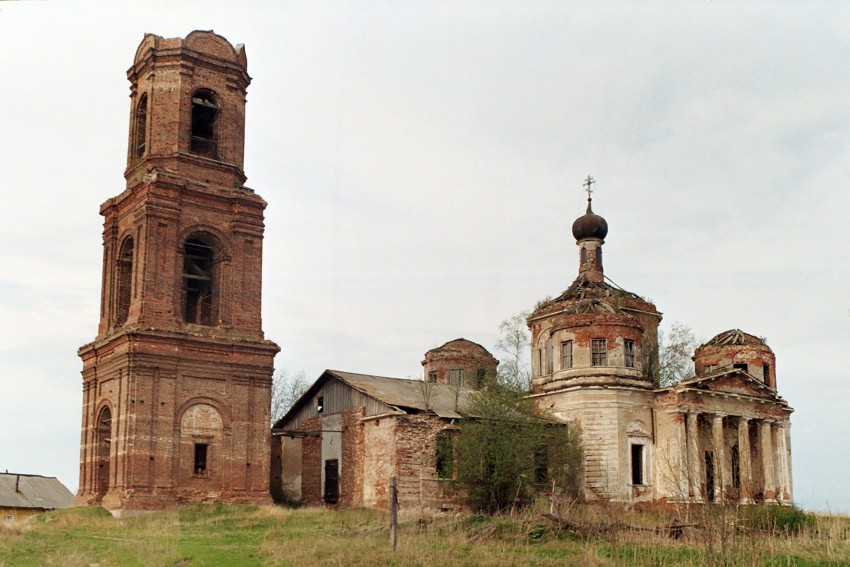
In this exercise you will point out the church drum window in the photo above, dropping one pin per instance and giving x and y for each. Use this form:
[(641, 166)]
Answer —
[(205, 109), (566, 355), (455, 377), (629, 353), (599, 352), (198, 282), (550, 355)]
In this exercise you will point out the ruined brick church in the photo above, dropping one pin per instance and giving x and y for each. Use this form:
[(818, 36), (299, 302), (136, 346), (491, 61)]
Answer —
[(176, 384)]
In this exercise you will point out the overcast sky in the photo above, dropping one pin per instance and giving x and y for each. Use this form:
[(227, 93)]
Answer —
[(423, 165)]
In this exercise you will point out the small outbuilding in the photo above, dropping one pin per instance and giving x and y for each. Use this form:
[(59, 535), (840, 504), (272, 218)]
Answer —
[(350, 433), (24, 495)]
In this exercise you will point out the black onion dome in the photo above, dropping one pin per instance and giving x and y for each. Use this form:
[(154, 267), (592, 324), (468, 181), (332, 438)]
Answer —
[(590, 225)]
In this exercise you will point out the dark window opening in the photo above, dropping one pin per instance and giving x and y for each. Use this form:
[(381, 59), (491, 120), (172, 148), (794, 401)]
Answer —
[(541, 464), (566, 355), (445, 456), (432, 376), (480, 376), (599, 352), (141, 126), (736, 468), (198, 264), (637, 465), (629, 353), (456, 377), (320, 404), (584, 255), (766, 374), (550, 355), (331, 495), (200, 459), (709, 476), (204, 113), (125, 280), (599, 257), (741, 366)]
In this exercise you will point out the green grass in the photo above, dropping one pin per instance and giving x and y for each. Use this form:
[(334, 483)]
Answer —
[(232, 535)]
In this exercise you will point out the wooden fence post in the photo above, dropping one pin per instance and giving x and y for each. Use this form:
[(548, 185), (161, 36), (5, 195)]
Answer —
[(393, 513)]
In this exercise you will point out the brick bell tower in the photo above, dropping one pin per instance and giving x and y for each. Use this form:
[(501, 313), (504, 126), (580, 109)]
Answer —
[(176, 385)]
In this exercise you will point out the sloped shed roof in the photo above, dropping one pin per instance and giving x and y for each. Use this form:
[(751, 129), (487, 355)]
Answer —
[(442, 399), (33, 491)]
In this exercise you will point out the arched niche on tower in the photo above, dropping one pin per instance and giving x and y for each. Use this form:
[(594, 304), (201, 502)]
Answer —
[(102, 449), (202, 427)]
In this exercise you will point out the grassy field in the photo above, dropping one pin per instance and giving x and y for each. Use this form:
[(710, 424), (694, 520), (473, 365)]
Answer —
[(230, 535)]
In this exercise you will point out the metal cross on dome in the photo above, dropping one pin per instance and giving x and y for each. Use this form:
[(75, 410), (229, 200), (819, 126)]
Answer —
[(587, 183)]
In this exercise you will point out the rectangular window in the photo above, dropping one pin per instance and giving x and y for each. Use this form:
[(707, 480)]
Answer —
[(445, 457), (637, 465), (599, 352), (200, 459), (766, 374), (320, 404), (566, 355), (538, 362), (432, 377), (629, 353), (742, 366), (456, 377), (550, 355)]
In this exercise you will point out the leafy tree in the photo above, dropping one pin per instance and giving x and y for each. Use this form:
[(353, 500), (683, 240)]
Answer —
[(514, 372), (287, 387), (508, 451), (675, 352)]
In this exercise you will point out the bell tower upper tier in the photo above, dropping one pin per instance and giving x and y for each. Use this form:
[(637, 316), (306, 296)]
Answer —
[(188, 109)]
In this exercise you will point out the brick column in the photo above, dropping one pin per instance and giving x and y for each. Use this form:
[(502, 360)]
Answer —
[(766, 452), (744, 468), (721, 474), (694, 457)]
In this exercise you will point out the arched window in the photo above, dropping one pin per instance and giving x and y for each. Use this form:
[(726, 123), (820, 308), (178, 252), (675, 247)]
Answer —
[(204, 128), (199, 281), (103, 446), (141, 127), (125, 281)]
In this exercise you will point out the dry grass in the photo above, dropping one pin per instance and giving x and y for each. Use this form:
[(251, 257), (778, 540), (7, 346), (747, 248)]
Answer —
[(241, 535)]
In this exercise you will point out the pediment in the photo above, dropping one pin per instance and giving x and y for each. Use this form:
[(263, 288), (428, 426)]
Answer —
[(735, 382)]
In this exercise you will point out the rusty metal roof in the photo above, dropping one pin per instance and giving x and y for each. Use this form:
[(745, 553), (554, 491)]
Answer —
[(442, 399), (33, 491)]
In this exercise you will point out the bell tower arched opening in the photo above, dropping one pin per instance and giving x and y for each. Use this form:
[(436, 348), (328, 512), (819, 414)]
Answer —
[(205, 110), (141, 127), (124, 274), (200, 285)]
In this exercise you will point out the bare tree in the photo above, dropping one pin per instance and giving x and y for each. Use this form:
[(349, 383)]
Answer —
[(287, 387), (675, 352), (514, 371)]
